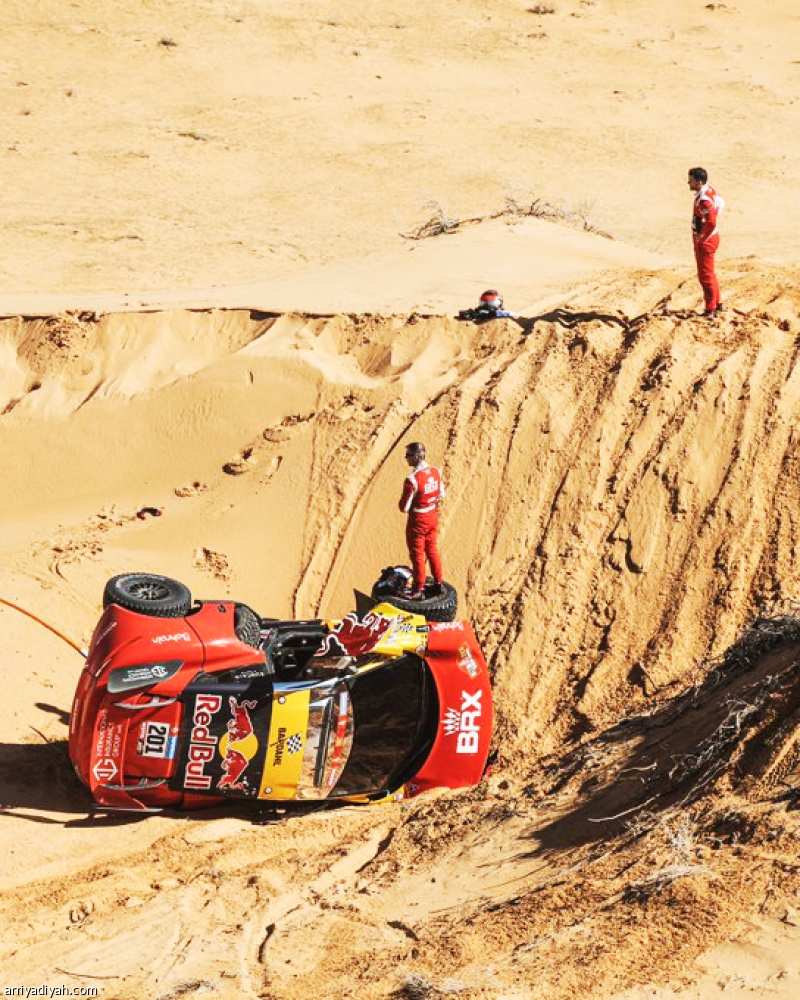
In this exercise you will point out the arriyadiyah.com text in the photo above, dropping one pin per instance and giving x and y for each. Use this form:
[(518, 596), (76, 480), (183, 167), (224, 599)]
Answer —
[(51, 991)]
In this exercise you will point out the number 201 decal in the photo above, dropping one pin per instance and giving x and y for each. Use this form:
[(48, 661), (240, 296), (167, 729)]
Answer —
[(155, 740)]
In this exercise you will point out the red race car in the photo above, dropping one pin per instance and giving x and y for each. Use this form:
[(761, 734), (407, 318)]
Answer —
[(182, 704)]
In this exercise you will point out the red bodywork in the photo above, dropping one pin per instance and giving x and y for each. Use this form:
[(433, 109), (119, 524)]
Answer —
[(460, 750), (107, 728), (129, 723)]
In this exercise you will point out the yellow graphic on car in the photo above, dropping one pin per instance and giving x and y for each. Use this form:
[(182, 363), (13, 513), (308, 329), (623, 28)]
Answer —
[(287, 737), (406, 633)]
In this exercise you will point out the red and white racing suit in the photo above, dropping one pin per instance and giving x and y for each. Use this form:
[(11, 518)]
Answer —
[(422, 491), (707, 206)]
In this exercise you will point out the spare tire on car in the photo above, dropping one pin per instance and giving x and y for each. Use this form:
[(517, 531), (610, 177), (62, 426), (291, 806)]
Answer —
[(148, 594), (247, 625), (440, 603)]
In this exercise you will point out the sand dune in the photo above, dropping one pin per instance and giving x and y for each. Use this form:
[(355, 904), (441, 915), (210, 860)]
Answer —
[(622, 504), (235, 239)]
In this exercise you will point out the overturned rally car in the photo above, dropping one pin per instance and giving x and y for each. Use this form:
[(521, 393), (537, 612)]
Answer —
[(182, 704)]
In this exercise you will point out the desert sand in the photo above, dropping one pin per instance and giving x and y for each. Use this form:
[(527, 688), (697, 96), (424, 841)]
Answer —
[(235, 238)]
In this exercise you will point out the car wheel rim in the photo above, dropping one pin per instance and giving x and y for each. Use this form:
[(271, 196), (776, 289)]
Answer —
[(148, 591)]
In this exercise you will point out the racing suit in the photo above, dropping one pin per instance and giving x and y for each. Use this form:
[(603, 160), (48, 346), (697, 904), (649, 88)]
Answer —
[(422, 490), (707, 206)]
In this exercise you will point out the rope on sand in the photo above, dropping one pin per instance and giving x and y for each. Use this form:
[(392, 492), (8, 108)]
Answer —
[(47, 625)]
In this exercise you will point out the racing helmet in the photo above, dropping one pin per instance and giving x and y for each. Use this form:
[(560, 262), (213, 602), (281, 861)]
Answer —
[(393, 580), (492, 298)]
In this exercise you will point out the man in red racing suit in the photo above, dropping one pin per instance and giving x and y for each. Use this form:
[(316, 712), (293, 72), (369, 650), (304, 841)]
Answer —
[(707, 206), (423, 490)]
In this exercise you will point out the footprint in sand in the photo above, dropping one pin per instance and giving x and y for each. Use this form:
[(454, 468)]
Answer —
[(245, 461), (212, 562), (192, 489), (249, 457)]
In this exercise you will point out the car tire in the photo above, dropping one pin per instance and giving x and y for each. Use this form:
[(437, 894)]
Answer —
[(247, 625), (148, 594), (440, 608)]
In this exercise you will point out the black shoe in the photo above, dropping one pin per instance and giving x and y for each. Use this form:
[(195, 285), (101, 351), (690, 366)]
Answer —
[(720, 307), (441, 590)]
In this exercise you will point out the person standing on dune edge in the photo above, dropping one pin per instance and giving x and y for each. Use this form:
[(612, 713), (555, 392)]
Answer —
[(707, 206), (423, 491)]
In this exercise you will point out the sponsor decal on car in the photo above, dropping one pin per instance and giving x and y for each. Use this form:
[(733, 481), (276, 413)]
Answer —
[(132, 678), (238, 746), (223, 741), (107, 748), (456, 626), (104, 770), (464, 723), (355, 635), (467, 662), (248, 674), (285, 744), (156, 739), (287, 739), (172, 637), (202, 742), (401, 627)]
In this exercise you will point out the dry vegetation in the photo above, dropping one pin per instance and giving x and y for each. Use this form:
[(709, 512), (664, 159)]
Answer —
[(439, 223)]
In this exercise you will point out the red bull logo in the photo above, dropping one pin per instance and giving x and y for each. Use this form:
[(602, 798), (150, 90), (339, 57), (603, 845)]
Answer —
[(240, 724), (354, 636), (234, 764), (238, 746), (202, 742)]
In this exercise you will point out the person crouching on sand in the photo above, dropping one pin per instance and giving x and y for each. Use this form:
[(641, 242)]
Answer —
[(490, 306)]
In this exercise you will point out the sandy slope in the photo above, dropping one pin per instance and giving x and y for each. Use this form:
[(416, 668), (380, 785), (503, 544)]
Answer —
[(622, 501), (208, 307)]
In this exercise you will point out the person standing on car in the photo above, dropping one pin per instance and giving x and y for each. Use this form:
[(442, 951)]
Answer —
[(707, 206), (423, 491)]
